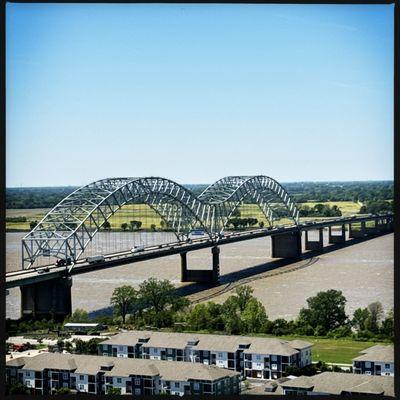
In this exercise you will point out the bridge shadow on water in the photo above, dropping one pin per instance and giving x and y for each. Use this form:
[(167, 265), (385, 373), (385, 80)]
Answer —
[(255, 271)]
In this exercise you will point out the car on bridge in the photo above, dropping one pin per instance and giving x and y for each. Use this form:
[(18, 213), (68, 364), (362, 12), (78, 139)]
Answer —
[(137, 249), (95, 259), (61, 262)]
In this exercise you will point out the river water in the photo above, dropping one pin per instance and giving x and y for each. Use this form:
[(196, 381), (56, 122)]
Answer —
[(363, 272)]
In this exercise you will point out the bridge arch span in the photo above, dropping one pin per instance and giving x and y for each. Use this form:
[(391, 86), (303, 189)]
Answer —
[(64, 232)]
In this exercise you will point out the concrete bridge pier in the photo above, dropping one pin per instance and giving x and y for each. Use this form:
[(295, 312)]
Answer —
[(48, 299), (315, 244), (286, 245), (332, 239), (357, 233), (201, 275)]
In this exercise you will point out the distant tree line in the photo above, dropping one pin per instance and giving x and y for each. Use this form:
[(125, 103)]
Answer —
[(300, 191), (319, 210), (377, 207)]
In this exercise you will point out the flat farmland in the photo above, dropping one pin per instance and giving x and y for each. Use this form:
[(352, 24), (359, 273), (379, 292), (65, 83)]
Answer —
[(148, 217)]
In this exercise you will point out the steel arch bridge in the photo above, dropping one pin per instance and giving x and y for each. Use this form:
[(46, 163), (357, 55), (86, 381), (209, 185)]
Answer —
[(71, 225)]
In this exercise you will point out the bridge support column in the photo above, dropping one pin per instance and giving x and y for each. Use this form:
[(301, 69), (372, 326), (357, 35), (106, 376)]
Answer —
[(357, 233), (48, 299), (286, 245), (315, 244), (333, 239), (201, 275), (215, 264), (184, 271)]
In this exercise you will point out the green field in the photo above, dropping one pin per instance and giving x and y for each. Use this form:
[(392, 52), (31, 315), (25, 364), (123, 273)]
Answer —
[(346, 207), (340, 351), (145, 214)]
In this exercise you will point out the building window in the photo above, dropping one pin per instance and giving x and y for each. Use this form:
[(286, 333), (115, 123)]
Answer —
[(81, 377), (65, 376), (387, 366), (367, 364), (258, 357), (121, 348), (176, 385), (274, 366), (137, 382), (258, 365), (119, 380), (274, 358), (219, 355), (196, 386), (81, 387), (169, 351), (367, 372), (28, 373), (28, 383), (137, 392), (65, 384)]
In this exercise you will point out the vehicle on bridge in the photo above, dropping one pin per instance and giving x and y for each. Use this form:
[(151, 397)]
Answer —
[(197, 232), (95, 259), (61, 262), (137, 249)]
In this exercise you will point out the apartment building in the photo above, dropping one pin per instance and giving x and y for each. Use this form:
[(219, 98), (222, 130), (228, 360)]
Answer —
[(47, 372), (338, 383), (376, 360), (253, 357)]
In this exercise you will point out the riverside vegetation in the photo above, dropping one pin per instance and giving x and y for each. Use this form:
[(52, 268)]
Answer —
[(155, 305)]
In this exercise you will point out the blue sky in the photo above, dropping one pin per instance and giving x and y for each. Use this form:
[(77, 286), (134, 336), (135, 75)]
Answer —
[(198, 92)]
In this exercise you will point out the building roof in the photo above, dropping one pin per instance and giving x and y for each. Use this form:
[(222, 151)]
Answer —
[(123, 367), (130, 338), (339, 382), (299, 344), (271, 346), (170, 340), (212, 342), (377, 353)]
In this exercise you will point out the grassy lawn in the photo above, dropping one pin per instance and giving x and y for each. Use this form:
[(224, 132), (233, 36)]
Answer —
[(340, 351)]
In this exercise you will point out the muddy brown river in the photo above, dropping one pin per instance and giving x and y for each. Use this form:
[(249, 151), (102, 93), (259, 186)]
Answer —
[(363, 272)]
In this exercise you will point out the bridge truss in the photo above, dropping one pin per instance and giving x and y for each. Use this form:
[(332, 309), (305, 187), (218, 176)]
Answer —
[(71, 225)]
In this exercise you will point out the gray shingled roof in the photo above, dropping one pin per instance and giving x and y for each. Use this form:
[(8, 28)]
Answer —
[(377, 353), (228, 343), (123, 367), (337, 382)]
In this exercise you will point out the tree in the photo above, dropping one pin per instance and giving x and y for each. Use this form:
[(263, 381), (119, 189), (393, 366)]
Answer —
[(387, 327), (375, 315), (326, 311), (62, 390), (17, 388), (106, 226), (79, 315), (113, 390), (123, 299), (359, 317), (124, 226), (33, 224), (157, 294), (135, 225), (254, 316), (244, 294)]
